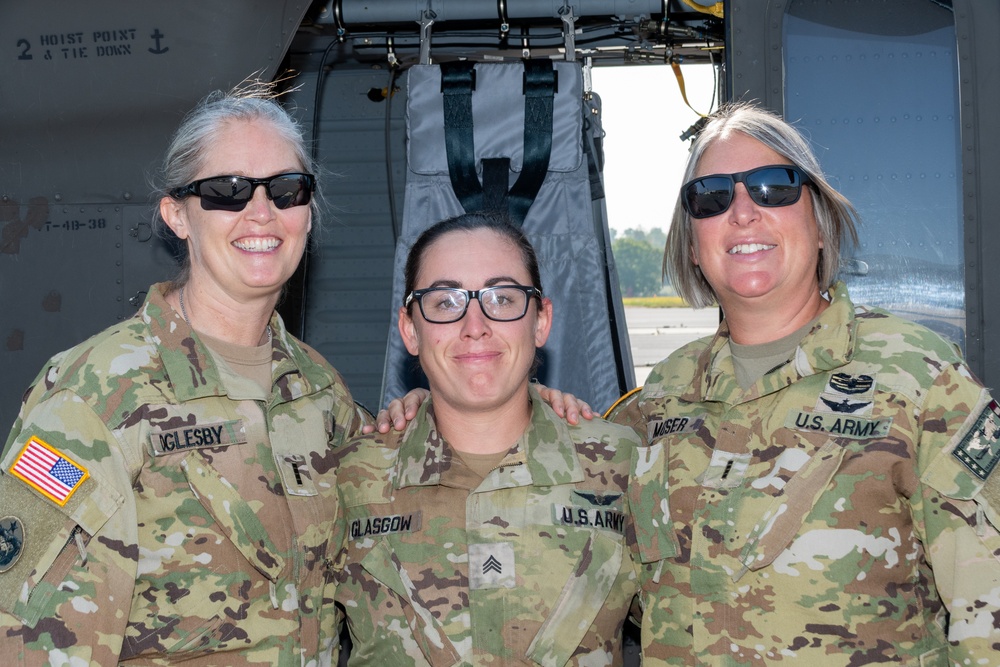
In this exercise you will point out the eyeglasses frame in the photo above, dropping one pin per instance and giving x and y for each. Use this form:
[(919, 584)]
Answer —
[(471, 295)]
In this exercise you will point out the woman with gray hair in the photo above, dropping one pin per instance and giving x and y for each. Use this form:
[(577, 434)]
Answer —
[(167, 490), (818, 481)]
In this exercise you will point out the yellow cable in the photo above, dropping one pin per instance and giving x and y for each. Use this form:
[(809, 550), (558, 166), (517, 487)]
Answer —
[(620, 401), (676, 66)]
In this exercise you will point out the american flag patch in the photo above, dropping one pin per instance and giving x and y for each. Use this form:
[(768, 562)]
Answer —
[(47, 471)]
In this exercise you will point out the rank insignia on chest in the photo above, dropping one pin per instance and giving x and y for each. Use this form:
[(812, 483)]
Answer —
[(48, 471), (979, 450), (491, 565)]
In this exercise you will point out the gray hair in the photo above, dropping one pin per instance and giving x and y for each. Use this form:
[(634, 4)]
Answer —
[(186, 154), (836, 217)]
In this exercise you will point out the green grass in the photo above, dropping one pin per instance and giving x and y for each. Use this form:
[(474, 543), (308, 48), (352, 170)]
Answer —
[(655, 302)]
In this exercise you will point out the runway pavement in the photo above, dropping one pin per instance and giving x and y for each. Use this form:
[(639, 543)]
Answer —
[(656, 332)]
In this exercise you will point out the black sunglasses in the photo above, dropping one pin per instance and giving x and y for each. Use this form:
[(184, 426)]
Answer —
[(233, 193), (773, 185)]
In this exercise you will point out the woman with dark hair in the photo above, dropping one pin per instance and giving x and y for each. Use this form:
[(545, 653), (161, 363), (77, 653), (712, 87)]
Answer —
[(168, 482), (490, 531)]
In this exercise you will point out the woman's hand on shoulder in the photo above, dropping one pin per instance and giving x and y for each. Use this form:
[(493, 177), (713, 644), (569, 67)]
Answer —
[(398, 413), (566, 405)]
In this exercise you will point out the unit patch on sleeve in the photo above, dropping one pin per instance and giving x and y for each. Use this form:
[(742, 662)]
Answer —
[(48, 471), (11, 542), (979, 450)]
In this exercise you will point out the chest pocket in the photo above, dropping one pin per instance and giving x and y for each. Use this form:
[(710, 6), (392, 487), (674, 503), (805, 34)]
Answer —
[(579, 602), (783, 519), (649, 491), (235, 517), (384, 567)]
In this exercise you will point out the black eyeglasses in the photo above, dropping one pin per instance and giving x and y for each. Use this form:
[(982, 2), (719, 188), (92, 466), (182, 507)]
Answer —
[(443, 305), (233, 193), (773, 185)]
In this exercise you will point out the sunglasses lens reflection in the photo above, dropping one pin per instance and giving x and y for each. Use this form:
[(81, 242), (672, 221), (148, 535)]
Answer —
[(288, 191), (709, 196), (774, 187), (233, 193), (767, 186)]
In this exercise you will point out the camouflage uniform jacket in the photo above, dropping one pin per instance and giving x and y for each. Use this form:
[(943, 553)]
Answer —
[(842, 511), (199, 527), (529, 565)]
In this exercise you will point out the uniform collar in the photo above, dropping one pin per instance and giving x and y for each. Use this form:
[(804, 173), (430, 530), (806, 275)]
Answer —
[(192, 371), (544, 455), (828, 345)]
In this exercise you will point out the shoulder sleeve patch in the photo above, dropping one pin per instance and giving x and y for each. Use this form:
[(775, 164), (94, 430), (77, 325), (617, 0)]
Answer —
[(45, 469), (11, 542), (979, 450)]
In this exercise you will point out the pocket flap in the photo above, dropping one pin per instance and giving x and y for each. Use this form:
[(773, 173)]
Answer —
[(648, 492), (236, 518), (783, 519), (382, 564), (580, 601)]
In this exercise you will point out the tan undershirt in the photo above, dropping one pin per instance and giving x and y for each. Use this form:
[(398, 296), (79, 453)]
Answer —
[(752, 362), (481, 464), (250, 362)]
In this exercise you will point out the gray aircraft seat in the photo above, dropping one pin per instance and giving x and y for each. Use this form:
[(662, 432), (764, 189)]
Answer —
[(469, 147)]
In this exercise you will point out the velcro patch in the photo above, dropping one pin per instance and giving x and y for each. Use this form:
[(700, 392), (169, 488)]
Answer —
[(589, 517), (296, 475), (726, 470), (491, 565), (11, 541), (385, 525), (979, 450), (219, 434), (48, 471), (848, 394), (662, 427), (841, 426)]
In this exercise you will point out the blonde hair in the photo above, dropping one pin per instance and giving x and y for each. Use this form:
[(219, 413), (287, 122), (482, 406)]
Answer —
[(835, 216)]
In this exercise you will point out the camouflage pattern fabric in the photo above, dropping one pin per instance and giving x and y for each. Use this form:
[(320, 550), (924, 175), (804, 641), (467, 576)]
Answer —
[(842, 511), (530, 565), (201, 530)]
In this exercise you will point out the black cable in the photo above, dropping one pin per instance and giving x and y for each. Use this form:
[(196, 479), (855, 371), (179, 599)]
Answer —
[(396, 230)]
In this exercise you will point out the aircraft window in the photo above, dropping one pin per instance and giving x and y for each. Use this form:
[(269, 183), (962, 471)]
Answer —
[(875, 87)]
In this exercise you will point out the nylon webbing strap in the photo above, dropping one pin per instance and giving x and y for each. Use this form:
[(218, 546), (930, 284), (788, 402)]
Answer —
[(458, 80), (457, 83), (539, 94), (592, 149), (496, 180)]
